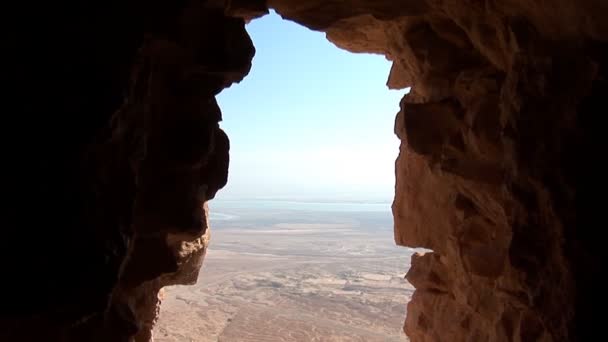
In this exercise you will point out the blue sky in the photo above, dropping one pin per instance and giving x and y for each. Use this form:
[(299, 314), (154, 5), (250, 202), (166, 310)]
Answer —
[(310, 121)]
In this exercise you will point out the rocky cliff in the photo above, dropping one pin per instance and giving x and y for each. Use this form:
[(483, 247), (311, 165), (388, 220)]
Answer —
[(493, 173)]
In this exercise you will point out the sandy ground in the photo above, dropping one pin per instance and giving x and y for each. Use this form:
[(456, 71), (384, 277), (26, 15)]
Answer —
[(292, 282)]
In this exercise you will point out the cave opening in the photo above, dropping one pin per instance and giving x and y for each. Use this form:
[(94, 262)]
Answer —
[(302, 234), (112, 145)]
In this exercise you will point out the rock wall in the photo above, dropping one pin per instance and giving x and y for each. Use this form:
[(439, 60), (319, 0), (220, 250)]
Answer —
[(494, 171), (112, 144), (117, 150), (179, 155)]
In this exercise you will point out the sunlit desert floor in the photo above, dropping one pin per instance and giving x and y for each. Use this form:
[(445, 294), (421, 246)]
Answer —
[(293, 282)]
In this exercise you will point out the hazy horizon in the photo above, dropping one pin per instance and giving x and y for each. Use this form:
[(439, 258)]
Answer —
[(310, 121)]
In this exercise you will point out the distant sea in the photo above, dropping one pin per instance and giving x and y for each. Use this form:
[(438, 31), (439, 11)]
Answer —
[(222, 205)]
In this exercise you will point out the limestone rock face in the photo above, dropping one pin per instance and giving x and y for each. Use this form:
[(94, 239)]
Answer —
[(112, 147)]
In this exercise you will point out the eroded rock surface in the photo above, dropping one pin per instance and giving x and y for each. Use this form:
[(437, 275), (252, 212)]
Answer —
[(113, 145), (127, 149), (493, 173)]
